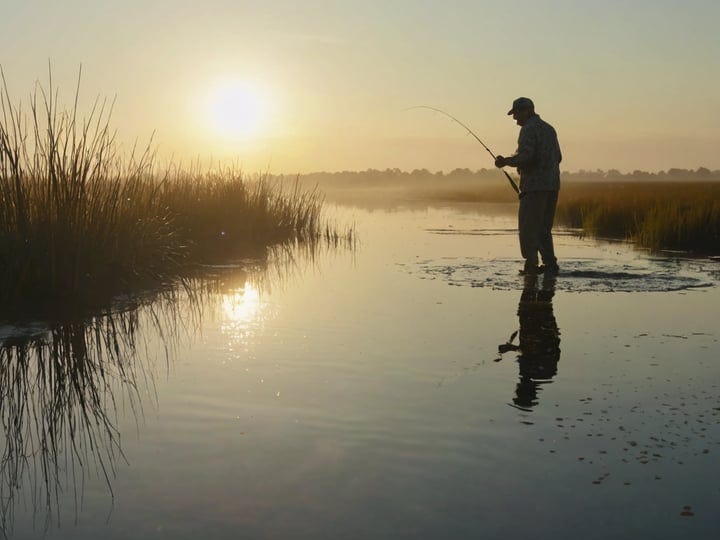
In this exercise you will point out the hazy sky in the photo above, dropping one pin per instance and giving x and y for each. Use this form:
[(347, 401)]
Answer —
[(630, 84)]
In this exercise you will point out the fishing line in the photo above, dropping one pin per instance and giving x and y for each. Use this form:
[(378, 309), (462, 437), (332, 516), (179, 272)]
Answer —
[(471, 132)]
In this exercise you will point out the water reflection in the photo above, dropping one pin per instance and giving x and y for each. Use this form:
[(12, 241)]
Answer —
[(236, 296), (538, 341), (242, 305), (63, 386), (243, 312), (66, 385)]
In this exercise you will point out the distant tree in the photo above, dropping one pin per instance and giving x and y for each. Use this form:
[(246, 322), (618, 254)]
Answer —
[(460, 172), (678, 173), (641, 175)]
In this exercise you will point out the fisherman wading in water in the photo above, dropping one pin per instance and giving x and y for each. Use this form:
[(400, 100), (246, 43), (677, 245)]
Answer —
[(537, 159)]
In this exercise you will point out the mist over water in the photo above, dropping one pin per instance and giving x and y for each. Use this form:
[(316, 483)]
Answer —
[(415, 386)]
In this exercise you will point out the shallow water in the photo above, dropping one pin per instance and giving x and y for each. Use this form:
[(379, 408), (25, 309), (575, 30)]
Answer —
[(363, 395)]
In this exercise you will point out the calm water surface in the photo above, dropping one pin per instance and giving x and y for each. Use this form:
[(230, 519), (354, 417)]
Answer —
[(362, 395)]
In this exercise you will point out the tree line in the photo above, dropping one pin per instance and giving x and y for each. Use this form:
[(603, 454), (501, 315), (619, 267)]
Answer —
[(384, 177)]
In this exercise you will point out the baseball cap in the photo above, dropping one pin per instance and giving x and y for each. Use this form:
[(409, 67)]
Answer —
[(521, 103)]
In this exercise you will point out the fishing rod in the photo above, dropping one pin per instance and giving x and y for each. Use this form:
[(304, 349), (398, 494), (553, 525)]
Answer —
[(471, 132)]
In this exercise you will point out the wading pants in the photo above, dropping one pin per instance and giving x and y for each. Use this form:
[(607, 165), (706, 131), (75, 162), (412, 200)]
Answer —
[(535, 221)]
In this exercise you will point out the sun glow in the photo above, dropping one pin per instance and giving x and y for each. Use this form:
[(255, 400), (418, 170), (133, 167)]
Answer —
[(242, 306), (237, 110)]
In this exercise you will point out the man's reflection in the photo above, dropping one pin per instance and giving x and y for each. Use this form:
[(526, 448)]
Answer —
[(539, 340)]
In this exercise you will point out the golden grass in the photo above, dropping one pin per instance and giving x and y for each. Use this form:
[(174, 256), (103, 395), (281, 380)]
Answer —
[(676, 215), (81, 222), (656, 215)]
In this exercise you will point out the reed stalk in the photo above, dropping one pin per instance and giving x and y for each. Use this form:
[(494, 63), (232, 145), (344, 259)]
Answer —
[(81, 221)]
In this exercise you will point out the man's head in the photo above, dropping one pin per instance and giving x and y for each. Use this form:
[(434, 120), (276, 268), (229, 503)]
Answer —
[(522, 110)]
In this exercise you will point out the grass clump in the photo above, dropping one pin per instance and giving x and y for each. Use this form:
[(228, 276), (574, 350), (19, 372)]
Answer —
[(83, 223), (225, 214), (682, 226), (657, 215)]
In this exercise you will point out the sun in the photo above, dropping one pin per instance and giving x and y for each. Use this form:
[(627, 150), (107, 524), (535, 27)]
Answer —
[(237, 110)]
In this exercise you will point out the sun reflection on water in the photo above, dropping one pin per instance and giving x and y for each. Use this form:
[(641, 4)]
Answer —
[(242, 309)]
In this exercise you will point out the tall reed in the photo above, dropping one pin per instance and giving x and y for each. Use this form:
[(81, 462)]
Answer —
[(224, 214), (658, 215), (680, 215), (80, 221)]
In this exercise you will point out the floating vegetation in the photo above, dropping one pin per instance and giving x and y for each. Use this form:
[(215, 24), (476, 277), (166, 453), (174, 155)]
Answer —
[(576, 275)]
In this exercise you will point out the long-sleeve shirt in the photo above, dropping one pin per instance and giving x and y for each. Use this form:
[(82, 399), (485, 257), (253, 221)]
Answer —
[(537, 157)]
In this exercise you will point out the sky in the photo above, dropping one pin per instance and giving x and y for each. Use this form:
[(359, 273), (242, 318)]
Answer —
[(294, 87)]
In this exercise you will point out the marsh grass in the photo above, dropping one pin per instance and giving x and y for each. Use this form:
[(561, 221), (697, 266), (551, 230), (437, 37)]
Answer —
[(224, 214), (656, 215), (82, 222)]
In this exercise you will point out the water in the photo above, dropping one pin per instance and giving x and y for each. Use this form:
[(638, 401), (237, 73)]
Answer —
[(361, 394)]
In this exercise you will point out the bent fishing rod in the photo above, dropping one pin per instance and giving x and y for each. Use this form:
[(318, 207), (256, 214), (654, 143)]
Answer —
[(471, 132)]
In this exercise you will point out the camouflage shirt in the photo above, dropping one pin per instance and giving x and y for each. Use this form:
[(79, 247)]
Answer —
[(538, 156)]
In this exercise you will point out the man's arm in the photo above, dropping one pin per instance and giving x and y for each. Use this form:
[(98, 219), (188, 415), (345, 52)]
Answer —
[(525, 152)]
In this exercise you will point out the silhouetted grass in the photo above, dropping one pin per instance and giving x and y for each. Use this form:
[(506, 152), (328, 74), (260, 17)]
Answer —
[(656, 215), (225, 214), (81, 222)]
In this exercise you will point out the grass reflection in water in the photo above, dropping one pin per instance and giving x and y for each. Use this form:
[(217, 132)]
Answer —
[(66, 384), (63, 387)]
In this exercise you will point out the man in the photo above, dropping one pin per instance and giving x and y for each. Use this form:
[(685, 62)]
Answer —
[(537, 160)]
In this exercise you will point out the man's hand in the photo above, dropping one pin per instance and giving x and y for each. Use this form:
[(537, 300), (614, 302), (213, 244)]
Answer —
[(500, 161)]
